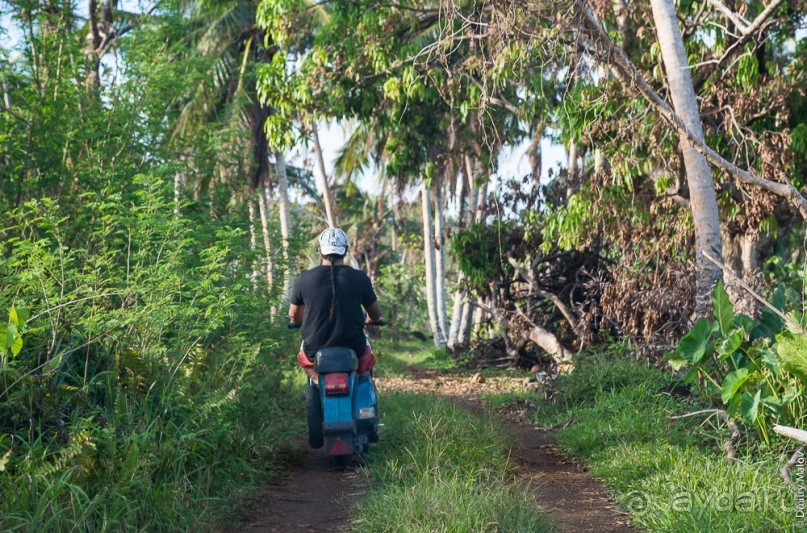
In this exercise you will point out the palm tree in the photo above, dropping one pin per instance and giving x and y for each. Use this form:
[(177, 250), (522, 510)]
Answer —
[(226, 34)]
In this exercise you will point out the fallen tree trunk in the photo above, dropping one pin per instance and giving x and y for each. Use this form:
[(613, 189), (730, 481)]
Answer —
[(793, 433), (541, 337)]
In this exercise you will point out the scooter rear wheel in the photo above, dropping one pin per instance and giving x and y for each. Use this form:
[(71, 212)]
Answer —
[(313, 408)]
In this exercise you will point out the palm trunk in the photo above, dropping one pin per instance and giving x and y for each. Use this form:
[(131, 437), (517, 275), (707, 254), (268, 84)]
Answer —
[(459, 293), (428, 254), (473, 215), (267, 245), (699, 174), (253, 242), (327, 198), (284, 206), (439, 256)]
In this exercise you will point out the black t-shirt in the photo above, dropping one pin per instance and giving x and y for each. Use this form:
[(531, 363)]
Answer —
[(353, 290)]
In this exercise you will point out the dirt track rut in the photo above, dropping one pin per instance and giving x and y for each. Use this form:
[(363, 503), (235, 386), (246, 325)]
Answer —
[(316, 496)]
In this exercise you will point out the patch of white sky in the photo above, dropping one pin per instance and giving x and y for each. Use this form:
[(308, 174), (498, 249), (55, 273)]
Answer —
[(513, 161)]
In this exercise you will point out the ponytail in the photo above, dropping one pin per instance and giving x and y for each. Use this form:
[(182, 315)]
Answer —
[(333, 258), (333, 295)]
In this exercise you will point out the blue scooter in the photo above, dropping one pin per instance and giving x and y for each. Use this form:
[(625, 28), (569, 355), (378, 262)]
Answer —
[(342, 410)]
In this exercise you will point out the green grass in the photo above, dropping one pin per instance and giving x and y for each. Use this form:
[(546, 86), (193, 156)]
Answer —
[(399, 357), (440, 467), (671, 475)]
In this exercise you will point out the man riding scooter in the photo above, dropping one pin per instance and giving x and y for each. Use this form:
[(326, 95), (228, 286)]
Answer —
[(328, 300), (341, 399)]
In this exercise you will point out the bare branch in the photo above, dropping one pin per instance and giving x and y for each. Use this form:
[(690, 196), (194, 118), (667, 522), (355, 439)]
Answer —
[(750, 30), (15, 115), (792, 323), (605, 50), (565, 311), (734, 429), (738, 21)]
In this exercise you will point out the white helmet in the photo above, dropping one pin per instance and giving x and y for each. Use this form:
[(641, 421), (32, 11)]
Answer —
[(333, 241)]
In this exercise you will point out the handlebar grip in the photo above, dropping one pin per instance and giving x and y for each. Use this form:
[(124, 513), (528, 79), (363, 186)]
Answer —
[(378, 323), (292, 325)]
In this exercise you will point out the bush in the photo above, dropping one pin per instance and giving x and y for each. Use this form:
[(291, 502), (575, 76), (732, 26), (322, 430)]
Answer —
[(149, 377), (754, 367)]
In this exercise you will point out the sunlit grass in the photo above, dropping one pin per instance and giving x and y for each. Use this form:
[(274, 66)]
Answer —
[(671, 475), (441, 468), (399, 357)]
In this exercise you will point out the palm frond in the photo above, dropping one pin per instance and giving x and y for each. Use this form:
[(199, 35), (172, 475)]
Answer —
[(357, 153)]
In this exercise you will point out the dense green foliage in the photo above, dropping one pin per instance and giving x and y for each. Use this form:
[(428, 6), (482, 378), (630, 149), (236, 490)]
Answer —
[(756, 368), (149, 375), (144, 377)]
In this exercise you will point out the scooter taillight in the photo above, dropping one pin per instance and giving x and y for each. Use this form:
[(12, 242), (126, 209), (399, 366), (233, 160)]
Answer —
[(336, 384)]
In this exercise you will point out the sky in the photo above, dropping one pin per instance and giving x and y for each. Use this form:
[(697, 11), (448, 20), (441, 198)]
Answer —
[(513, 161)]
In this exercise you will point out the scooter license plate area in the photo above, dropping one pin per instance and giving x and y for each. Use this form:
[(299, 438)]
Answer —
[(337, 384)]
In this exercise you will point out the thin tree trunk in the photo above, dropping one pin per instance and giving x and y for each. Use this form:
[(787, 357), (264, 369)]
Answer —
[(482, 200), (177, 192), (699, 175), (91, 48), (428, 254), (439, 256), (327, 198), (622, 15), (462, 200), (473, 191), (476, 198), (466, 322), (456, 315), (284, 206), (600, 162), (267, 245), (534, 152), (253, 242), (571, 172), (459, 293)]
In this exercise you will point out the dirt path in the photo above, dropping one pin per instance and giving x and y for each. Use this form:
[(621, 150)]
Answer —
[(315, 496), (575, 500), (559, 484)]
